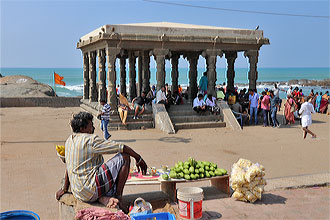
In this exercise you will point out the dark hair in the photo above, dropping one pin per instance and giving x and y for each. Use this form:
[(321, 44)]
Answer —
[(271, 92), (205, 73), (200, 95), (209, 96), (320, 93), (80, 120), (263, 93)]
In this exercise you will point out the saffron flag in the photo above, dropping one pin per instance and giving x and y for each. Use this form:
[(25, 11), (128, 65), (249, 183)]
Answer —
[(58, 79)]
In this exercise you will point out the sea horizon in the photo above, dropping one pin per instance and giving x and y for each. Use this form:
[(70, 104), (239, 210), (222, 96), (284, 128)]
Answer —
[(73, 77)]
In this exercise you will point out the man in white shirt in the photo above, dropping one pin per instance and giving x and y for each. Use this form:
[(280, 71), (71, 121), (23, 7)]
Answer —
[(289, 91), (306, 112), (199, 104), (277, 94), (161, 98)]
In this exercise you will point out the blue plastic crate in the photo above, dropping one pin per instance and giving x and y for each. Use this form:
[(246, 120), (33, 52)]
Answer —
[(157, 216)]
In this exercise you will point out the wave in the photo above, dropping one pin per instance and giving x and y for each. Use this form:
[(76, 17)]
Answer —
[(77, 88)]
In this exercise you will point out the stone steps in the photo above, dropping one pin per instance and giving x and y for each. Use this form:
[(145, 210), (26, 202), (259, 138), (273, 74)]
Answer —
[(184, 117), (195, 125), (131, 125), (194, 118)]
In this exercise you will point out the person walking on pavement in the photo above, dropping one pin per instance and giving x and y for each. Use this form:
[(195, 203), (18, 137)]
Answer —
[(105, 118), (306, 112)]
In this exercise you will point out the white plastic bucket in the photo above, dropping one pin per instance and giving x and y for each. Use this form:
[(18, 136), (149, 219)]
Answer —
[(190, 201)]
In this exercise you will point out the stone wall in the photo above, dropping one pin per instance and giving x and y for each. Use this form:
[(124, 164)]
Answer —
[(40, 102)]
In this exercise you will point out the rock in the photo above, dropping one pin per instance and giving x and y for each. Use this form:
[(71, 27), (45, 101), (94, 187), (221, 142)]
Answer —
[(23, 86)]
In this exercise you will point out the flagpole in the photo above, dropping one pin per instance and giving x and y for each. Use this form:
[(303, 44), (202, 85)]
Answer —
[(54, 83)]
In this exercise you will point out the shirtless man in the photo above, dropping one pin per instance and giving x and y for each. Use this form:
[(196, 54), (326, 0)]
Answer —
[(91, 179)]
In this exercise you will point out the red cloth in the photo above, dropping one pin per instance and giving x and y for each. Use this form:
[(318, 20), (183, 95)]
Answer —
[(95, 213)]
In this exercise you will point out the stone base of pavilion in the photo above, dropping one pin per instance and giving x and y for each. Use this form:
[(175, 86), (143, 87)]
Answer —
[(178, 117)]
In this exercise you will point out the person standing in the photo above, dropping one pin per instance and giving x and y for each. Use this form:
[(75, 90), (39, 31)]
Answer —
[(289, 109), (203, 83), (105, 118), (265, 108), (306, 112), (274, 102), (277, 93), (253, 106), (289, 92)]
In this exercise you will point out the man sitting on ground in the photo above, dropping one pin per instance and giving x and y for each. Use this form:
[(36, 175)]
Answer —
[(91, 179), (161, 98), (211, 104), (138, 104), (199, 104)]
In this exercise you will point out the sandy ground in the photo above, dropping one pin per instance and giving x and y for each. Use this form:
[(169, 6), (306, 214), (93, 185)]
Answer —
[(31, 171)]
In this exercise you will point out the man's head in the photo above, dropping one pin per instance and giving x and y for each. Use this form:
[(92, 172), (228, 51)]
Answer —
[(205, 73), (143, 94), (271, 92), (209, 96), (251, 91), (200, 96), (82, 123), (102, 102), (275, 85), (153, 88), (263, 93), (163, 88)]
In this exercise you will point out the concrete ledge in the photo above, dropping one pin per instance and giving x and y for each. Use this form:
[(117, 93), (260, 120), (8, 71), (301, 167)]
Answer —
[(300, 181), (40, 102), (162, 119), (228, 116)]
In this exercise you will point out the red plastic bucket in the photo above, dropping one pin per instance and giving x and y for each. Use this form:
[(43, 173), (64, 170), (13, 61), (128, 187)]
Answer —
[(190, 200)]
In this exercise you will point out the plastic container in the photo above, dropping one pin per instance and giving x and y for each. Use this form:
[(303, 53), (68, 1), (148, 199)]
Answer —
[(19, 215), (153, 216), (190, 200)]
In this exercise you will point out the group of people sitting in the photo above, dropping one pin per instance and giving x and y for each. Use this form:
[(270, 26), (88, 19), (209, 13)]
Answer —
[(163, 96), (205, 103)]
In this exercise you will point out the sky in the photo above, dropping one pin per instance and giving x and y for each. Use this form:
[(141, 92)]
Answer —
[(44, 33)]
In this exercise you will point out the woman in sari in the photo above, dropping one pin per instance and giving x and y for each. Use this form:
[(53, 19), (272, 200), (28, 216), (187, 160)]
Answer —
[(324, 103), (289, 109), (318, 102), (123, 108)]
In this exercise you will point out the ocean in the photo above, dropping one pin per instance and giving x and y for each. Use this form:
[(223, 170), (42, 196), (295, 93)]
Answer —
[(73, 77)]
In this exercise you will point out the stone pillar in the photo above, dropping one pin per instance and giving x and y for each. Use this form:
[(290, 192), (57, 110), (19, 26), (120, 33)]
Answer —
[(92, 77), (139, 89), (211, 60), (102, 75), (86, 76), (112, 53), (192, 59), (122, 74), (160, 55), (132, 75), (175, 71), (253, 73), (145, 71), (231, 57)]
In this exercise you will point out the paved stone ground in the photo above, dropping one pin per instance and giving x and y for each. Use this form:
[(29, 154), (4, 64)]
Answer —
[(305, 203)]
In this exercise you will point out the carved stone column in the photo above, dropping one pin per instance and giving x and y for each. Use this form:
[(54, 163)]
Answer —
[(175, 71), (253, 73), (231, 57), (132, 75), (211, 60), (139, 89), (123, 74), (92, 77), (111, 76), (192, 59), (102, 75), (145, 71), (160, 55), (86, 76)]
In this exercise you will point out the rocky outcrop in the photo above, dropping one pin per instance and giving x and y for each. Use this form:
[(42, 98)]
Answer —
[(23, 86)]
